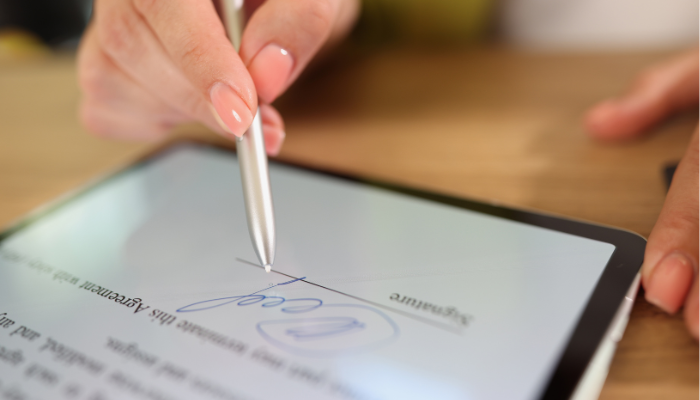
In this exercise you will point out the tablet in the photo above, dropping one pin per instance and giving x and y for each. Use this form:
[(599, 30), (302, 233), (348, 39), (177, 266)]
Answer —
[(145, 286)]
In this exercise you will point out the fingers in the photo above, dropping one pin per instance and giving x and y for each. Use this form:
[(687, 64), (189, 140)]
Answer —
[(114, 105), (671, 259), (193, 36), (283, 35), (129, 42), (656, 94), (172, 61), (273, 129)]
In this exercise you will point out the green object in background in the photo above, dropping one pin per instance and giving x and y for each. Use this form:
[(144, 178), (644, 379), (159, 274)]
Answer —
[(424, 21)]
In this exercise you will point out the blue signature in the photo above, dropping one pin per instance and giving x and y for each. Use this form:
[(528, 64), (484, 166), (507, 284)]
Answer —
[(320, 336), (255, 298)]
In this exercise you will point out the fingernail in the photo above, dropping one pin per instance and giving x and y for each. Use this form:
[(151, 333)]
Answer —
[(274, 138), (219, 120), (670, 281), (270, 70), (231, 109)]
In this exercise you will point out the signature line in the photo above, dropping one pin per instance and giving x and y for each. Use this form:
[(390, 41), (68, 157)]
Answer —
[(436, 324)]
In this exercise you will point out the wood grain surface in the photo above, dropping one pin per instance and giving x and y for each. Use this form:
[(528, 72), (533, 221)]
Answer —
[(491, 124)]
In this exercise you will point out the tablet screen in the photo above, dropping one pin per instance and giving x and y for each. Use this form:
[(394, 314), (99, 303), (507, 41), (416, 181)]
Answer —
[(146, 286)]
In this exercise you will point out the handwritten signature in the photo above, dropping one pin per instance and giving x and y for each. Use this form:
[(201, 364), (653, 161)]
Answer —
[(329, 329), (254, 298)]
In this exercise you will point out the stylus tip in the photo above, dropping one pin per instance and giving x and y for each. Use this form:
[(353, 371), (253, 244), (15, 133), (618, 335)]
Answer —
[(268, 267)]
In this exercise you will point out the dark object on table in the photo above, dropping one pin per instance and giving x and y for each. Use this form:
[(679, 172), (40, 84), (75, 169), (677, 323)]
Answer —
[(669, 170), (58, 23)]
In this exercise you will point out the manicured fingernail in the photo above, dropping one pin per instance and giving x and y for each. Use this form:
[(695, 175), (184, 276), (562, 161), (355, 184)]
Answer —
[(270, 70), (219, 120), (670, 281), (231, 109), (274, 138)]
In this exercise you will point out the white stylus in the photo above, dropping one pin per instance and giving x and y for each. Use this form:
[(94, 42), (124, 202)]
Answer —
[(252, 157)]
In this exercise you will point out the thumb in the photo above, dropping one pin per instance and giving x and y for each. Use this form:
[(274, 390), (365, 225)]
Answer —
[(656, 94), (671, 257)]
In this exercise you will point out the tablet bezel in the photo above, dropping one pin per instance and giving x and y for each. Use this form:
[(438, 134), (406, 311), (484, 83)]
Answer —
[(600, 310)]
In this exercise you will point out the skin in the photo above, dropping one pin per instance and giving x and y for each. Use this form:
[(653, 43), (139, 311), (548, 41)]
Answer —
[(670, 269), (145, 66)]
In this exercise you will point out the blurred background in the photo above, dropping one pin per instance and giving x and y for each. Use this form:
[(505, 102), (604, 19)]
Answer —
[(32, 27)]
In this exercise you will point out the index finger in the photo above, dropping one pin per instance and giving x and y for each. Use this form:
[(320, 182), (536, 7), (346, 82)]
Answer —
[(194, 37)]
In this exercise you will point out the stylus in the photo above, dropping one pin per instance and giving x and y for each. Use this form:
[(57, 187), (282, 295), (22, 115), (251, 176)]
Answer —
[(252, 157)]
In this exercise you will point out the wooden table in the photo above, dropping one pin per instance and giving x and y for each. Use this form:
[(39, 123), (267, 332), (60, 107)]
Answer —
[(490, 124)]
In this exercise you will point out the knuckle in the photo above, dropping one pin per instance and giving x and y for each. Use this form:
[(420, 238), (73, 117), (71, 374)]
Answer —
[(92, 120), (147, 7), (193, 54), (91, 81), (94, 78), (689, 217), (318, 16), (116, 32), (683, 219)]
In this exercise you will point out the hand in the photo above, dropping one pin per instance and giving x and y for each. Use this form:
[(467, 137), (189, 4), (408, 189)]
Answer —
[(145, 66), (670, 270)]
